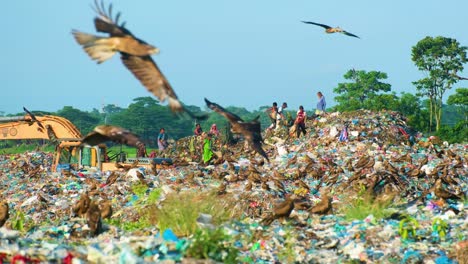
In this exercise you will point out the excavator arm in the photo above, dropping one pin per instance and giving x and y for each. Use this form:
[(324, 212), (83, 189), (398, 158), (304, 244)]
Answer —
[(49, 127)]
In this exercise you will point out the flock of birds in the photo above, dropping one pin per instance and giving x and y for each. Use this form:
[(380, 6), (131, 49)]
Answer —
[(136, 56)]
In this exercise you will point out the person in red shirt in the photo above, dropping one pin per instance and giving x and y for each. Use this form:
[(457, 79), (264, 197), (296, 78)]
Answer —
[(300, 121)]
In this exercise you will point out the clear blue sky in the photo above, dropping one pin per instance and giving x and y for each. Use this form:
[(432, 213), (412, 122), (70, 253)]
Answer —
[(245, 53)]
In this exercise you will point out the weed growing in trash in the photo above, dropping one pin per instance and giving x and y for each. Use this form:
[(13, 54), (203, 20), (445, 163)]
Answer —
[(141, 205), (439, 227), (153, 196), (141, 223), (139, 189), (179, 211), (17, 223), (364, 205), (408, 227), (287, 254), (212, 244)]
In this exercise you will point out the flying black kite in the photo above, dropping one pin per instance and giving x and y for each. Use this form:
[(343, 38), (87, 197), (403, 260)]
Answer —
[(135, 54), (329, 29), (250, 130), (117, 134)]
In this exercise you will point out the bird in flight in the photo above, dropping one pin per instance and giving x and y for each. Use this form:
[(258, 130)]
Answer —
[(329, 29), (134, 53), (117, 134), (33, 118), (250, 130)]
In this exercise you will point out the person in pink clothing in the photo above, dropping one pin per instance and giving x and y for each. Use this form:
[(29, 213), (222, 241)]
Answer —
[(214, 130)]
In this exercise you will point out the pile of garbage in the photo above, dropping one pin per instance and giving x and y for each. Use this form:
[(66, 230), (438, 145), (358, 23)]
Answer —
[(360, 186)]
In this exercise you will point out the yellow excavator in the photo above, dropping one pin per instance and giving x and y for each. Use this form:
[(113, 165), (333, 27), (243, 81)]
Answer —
[(68, 151)]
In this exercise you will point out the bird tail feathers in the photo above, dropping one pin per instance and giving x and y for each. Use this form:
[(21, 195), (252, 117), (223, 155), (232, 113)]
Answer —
[(98, 48)]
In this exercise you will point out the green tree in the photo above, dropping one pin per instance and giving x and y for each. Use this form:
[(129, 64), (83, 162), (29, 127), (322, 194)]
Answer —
[(411, 106), (84, 121), (460, 99), (110, 110), (363, 92), (440, 58)]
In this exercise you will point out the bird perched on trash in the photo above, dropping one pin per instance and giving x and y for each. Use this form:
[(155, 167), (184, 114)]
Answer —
[(106, 209), (222, 188), (324, 206), (134, 53), (292, 161), (141, 178), (112, 178), (250, 130), (281, 210), (104, 133), (443, 193), (82, 206), (362, 161), (248, 186), (93, 217), (4, 212), (302, 184), (329, 29)]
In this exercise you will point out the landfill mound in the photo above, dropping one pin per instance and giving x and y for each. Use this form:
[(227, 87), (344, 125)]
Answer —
[(360, 186)]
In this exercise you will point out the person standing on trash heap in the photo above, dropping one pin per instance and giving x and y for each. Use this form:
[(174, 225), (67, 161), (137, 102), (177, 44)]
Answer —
[(280, 116), (198, 130), (207, 151), (214, 130), (300, 121), (321, 105), (162, 139), (141, 150), (272, 112)]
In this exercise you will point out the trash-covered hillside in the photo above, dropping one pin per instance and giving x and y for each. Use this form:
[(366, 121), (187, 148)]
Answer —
[(359, 187)]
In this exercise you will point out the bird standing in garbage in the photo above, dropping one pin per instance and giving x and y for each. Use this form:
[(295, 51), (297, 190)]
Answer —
[(93, 217), (442, 192), (329, 29), (4, 212), (324, 206), (82, 206), (281, 210), (134, 53), (106, 209)]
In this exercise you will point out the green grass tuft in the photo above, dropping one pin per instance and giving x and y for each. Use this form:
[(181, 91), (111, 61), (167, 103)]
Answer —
[(212, 244), (179, 211), (365, 205)]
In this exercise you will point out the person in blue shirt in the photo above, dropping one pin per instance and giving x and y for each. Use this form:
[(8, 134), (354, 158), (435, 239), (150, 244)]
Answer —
[(321, 105), (162, 139)]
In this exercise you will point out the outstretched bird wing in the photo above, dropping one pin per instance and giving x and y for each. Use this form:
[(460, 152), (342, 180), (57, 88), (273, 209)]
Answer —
[(317, 24), (33, 117), (350, 34), (148, 73), (220, 110), (105, 133), (106, 24), (250, 130)]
